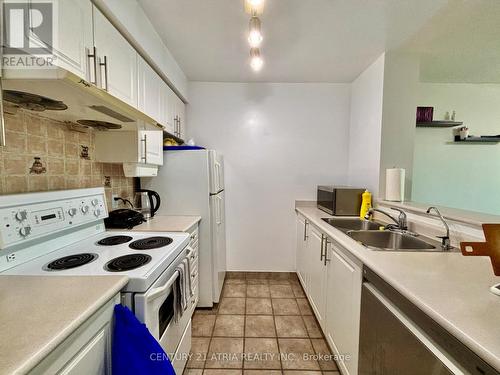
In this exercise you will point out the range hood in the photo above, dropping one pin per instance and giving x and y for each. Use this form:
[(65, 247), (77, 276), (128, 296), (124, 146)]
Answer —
[(84, 101)]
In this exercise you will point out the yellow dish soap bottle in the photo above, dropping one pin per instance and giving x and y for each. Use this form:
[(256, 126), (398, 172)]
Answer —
[(366, 204)]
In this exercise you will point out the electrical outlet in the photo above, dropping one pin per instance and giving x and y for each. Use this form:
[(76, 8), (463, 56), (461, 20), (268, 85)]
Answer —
[(11, 257), (114, 203)]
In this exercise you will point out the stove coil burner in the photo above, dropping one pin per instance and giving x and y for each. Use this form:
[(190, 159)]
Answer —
[(150, 243), (71, 261), (127, 262), (114, 240)]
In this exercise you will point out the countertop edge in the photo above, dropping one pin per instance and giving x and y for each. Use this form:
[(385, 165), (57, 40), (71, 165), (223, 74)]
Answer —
[(62, 335), (350, 244), (167, 223)]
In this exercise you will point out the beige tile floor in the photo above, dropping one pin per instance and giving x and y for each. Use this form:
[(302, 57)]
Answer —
[(262, 325)]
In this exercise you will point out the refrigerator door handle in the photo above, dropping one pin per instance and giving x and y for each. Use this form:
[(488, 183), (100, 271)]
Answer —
[(218, 218), (217, 176)]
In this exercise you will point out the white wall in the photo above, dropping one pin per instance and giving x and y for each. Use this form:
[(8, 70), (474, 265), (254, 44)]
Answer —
[(459, 175), (401, 75), (366, 127), (130, 18), (279, 142)]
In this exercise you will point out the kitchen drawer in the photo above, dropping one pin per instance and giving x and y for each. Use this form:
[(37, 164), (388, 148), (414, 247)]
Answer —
[(195, 286), (193, 236), (193, 259), (194, 245), (194, 270)]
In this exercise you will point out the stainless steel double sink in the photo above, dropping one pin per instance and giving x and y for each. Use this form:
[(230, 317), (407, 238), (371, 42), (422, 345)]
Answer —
[(369, 234)]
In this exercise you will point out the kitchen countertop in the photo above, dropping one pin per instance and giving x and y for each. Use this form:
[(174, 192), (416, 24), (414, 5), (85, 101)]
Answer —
[(167, 224), (450, 288), (39, 312)]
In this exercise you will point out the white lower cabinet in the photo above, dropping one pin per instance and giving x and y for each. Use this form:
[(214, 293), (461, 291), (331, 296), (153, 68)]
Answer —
[(301, 254), (332, 279), (85, 351), (343, 303), (317, 272)]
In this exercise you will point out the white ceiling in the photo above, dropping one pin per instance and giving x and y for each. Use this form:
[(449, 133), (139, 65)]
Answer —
[(304, 40), (461, 44)]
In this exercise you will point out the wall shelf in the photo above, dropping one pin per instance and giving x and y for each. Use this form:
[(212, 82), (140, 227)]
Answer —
[(488, 140), (438, 124)]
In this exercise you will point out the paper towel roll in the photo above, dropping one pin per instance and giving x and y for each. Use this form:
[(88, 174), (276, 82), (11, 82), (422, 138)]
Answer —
[(395, 184)]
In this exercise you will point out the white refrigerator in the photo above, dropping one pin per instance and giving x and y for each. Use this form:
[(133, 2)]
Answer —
[(192, 183)]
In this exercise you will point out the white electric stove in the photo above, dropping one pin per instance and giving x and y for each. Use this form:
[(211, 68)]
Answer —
[(62, 233), (142, 256)]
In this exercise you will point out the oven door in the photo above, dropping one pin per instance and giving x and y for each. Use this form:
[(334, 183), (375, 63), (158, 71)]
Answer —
[(155, 308)]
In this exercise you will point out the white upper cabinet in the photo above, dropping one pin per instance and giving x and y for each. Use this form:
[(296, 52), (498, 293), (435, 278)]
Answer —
[(73, 38), (168, 108), (181, 111), (150, 87), (151, 146), (117, 61), (179, 117), (143, 147), (175, 113)]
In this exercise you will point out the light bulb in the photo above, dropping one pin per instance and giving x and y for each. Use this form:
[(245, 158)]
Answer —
[(255, 35), (256, 61)]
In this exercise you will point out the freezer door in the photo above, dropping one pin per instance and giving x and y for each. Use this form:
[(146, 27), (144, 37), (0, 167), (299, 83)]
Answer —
[(217, 206), (216, 168)]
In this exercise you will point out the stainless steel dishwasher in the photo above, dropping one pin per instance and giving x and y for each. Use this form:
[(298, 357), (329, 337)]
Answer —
[(397, 338)]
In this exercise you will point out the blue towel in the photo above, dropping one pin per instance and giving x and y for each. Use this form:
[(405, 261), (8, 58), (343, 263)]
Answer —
[(135, 350)]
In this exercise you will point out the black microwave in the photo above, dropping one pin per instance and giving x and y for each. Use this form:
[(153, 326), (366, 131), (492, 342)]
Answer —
[(339, 200)]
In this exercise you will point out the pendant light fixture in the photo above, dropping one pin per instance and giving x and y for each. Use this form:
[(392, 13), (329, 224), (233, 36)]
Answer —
[(255, 8)]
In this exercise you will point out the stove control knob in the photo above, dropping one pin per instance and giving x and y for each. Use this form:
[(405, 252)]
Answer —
[(85, 210), (21, 215), (97, 212), (25, 231), (72, 212), (94, 202)]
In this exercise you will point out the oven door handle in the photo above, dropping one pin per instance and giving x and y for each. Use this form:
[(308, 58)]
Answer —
[(157, 292)]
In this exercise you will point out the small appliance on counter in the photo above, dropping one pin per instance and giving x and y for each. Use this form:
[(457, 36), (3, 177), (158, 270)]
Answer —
[(147, 202), (340, 200), (123, 218)]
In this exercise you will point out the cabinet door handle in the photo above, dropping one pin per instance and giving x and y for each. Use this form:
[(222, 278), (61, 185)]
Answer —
[(105, 64), (145, 140), (92, 55), (322, 245), (325, 259), (306, 223)]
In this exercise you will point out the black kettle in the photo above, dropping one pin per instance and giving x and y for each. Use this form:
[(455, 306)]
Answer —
[(145, 203)]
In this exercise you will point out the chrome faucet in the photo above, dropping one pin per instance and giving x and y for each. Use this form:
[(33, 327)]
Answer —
[(401, 221), (445, 240)]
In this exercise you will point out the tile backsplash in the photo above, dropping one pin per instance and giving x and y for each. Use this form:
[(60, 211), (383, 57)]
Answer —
[(43, 154)]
